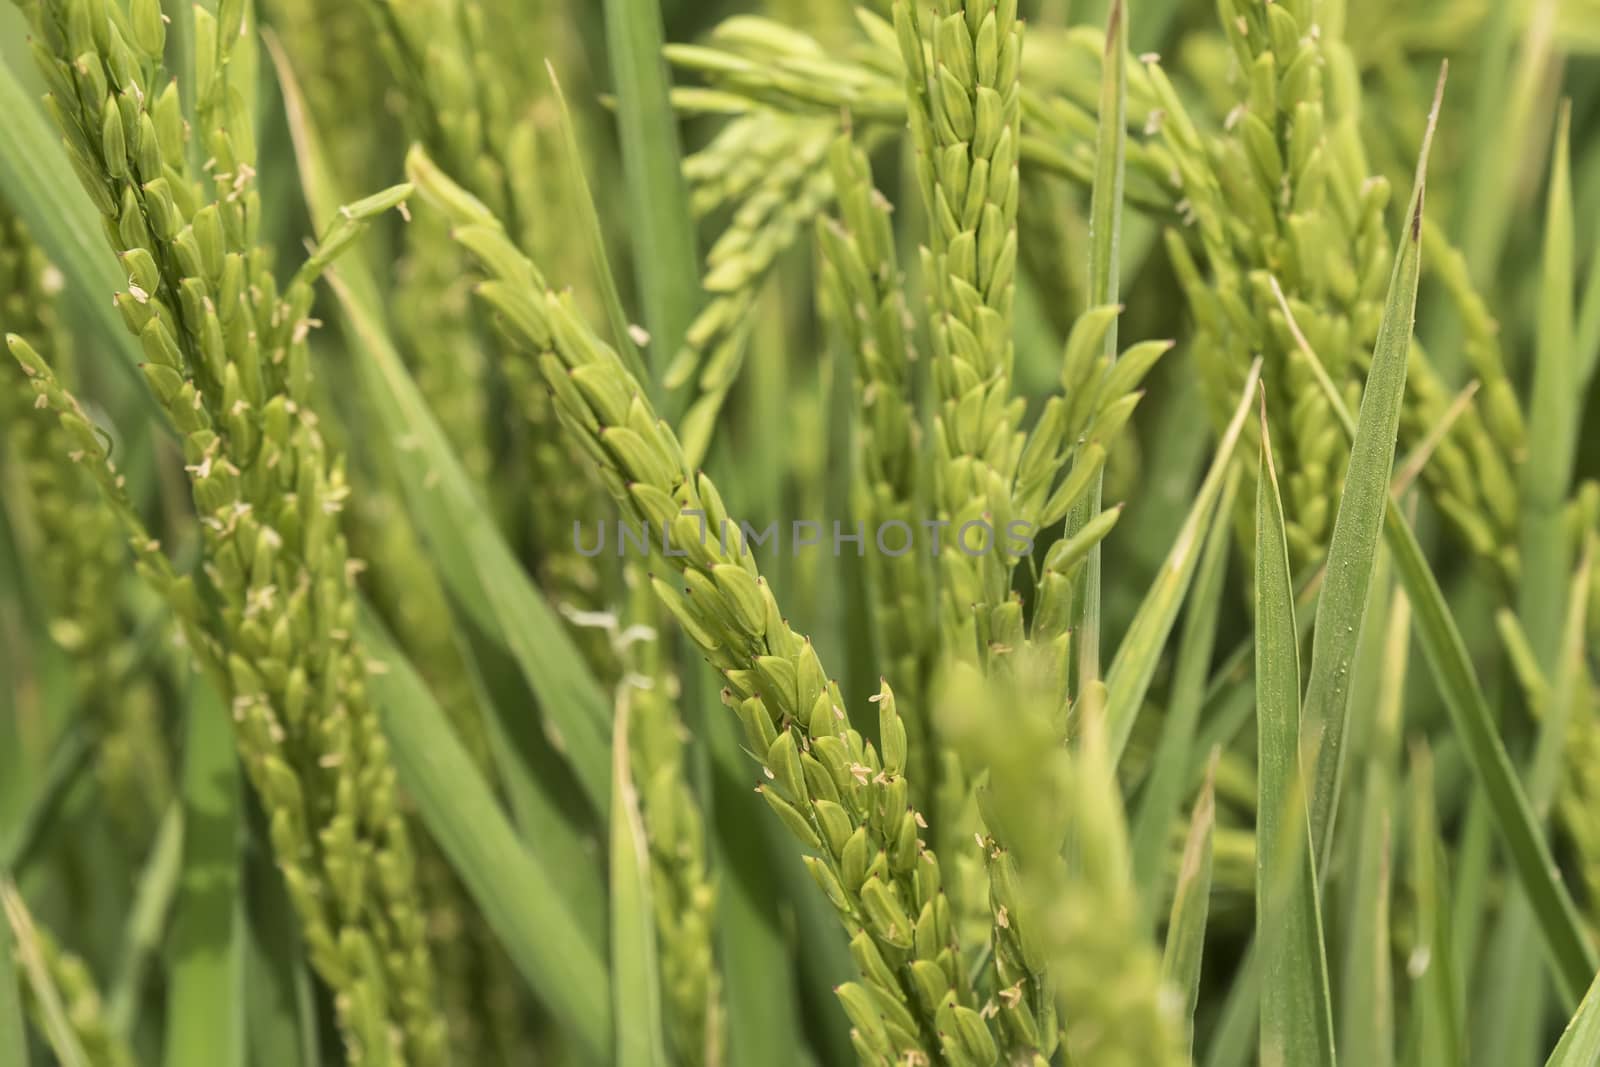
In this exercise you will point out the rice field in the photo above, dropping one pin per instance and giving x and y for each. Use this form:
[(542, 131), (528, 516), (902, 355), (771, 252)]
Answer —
[(789, 533)]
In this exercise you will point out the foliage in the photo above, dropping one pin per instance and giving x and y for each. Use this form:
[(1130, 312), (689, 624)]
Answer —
[(485, 471)]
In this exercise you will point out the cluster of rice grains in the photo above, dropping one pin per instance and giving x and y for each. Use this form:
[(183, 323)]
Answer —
[(376, 558), (967, 126), (826, 782), (226, 358), (1283, 194)]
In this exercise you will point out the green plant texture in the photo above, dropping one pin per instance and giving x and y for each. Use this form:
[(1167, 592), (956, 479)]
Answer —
[(921, 533)]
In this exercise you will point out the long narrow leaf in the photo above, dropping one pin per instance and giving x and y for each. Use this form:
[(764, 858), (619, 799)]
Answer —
[(667, 267), (572, 158), (1580, 1041), (1556, 407), (1436, 1023), (1510, 107), (1536, 870), (1358, 526), (534, 783), (1111, 142), (1191, 903), (1560, 925), (1567, 690), (1105, 239), (146, 928), (477, 565), (1475, 890), (636, 976), (1510, 1024), (1296, 1017), (1140, 651), (1233, 1042), (1230, 694), (517, 896), (1165, 785), (204, 1022), (1366, 1009)]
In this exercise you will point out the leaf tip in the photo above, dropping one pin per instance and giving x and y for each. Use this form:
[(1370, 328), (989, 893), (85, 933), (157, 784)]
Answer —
[(1113, 26), (1267, 464)]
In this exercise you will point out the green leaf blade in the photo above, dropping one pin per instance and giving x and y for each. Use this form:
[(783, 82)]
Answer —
[(145, 929), (1191, 905), (1436, 1022), (1366, 1009), (518, 897), (1296, 1017), (658, 200), (616, 316), (1139, 654), (1562, 928), (636, 987), (1580, 1041), (204, 1021), (1163, 789), (1358, 526), (1105, 238), (1556, 406)]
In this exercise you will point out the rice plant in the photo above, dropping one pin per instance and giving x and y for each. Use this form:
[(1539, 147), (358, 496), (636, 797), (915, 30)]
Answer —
[(928, 533)]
